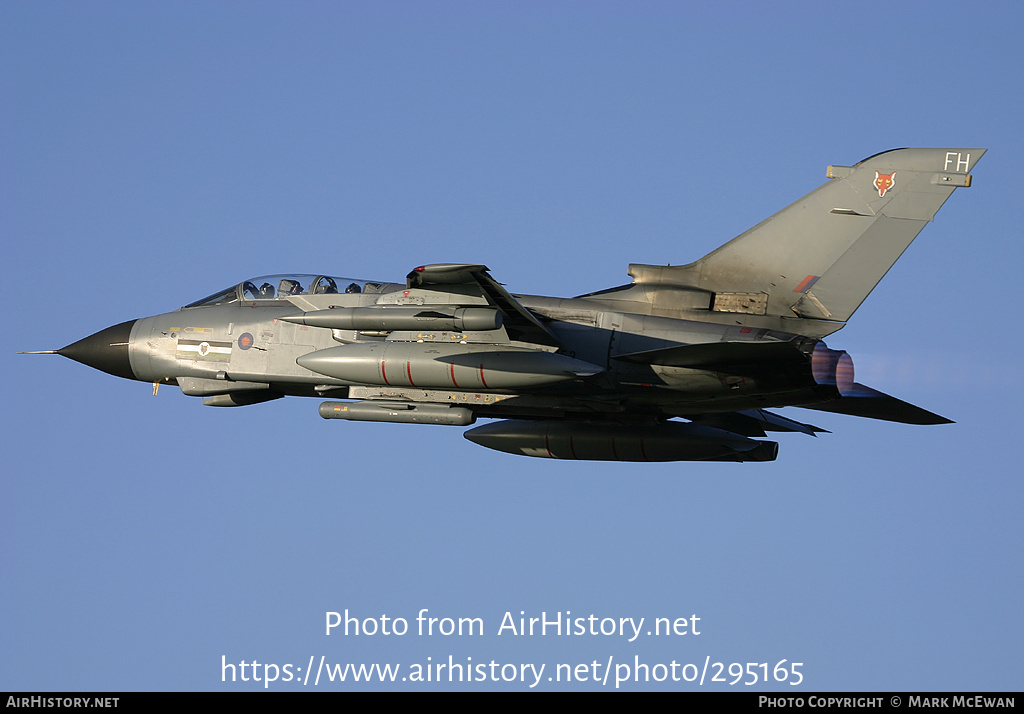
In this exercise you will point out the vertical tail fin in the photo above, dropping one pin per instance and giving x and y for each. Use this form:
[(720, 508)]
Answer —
[(821, 256)]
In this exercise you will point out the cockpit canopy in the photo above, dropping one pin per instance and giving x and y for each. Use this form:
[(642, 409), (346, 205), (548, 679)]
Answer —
[(276, 287)]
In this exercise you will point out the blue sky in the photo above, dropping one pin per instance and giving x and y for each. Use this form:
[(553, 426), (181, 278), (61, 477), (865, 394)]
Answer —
[(155, 153)]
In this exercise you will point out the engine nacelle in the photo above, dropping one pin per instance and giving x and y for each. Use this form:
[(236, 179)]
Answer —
[(445, 366), (668, 441), (832, 367)]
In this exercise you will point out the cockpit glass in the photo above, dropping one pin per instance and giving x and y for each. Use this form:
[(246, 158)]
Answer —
[(280, 287), (224, 296)]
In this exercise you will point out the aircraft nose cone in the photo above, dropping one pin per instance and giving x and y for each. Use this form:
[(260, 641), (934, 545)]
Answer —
[(106, 350)]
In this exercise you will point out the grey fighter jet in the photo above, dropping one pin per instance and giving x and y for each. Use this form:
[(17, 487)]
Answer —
[(681, 364)]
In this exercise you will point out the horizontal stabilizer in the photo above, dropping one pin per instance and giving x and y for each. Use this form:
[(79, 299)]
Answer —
[(866, 402), (754, 422)]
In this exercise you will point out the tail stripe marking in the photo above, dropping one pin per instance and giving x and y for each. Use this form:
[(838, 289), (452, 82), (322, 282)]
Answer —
[(807, 284)]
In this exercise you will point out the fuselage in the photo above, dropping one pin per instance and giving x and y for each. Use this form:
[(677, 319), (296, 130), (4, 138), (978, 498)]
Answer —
[(247, 342)]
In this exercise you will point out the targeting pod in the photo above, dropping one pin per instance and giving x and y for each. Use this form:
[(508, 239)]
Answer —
[(400, 412)]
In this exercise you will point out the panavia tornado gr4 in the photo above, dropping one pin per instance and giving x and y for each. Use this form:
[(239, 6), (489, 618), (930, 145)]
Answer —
[(681, 364)]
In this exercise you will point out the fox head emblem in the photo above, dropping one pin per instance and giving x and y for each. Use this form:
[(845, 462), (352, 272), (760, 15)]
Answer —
[(883, 182)]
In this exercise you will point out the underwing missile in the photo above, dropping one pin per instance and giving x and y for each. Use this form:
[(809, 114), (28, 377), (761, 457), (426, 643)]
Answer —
[(388, 319)]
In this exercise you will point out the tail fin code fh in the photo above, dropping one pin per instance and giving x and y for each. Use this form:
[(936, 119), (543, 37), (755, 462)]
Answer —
[(821, 256)]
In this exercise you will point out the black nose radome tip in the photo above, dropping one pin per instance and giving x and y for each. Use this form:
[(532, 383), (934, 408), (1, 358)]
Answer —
[(107, 350)]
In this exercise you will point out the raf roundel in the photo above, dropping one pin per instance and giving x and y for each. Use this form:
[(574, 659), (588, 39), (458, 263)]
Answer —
[(245, 341)]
